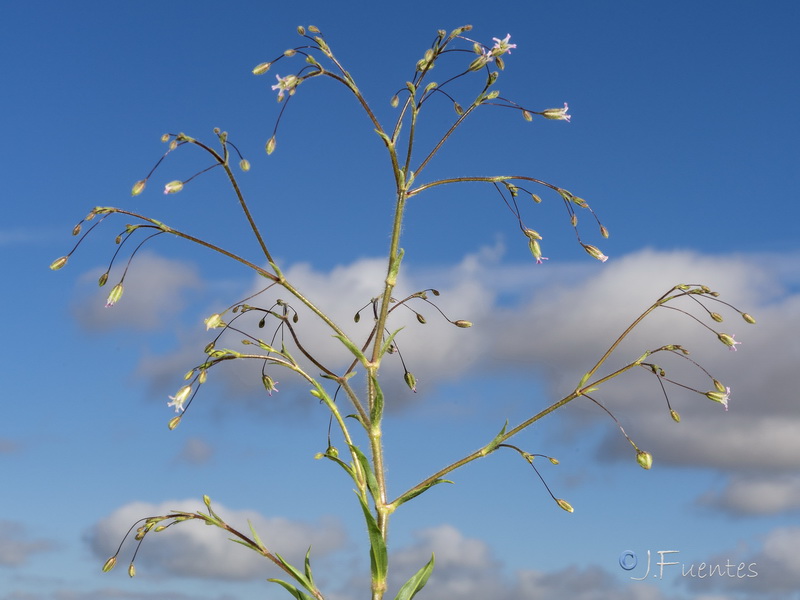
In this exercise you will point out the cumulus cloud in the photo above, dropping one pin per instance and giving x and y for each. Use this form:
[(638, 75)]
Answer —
[(154, 290), (15, 548), (766, 573), (553, 322), (192, 549), (756, 495), (467, 568)]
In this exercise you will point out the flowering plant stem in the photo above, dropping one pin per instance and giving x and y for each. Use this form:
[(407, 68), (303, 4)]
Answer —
[(368, 472)]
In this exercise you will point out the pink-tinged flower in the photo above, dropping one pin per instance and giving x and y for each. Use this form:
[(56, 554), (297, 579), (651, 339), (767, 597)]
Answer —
[(728, 340), (594, 252), (558, 114), (721, 397), (502, 46), (180, 397), (285, 84)]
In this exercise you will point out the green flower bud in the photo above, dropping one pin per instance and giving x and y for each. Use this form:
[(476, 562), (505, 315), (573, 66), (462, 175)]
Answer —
[(394, 102), (411, 381), (115, 295), (603, 231), (313, 29), (174, 422), (717, 317), (748, 318), (244, 165), (165, 138), (558, 114), (173, 187), (109, 564), (138, 187), (565, 505), (301, 30), (262, 68), (595, 252), (269, 384), (103, 279), (59, 263), (131, 570), (728, 340), (536, 198), (270, 145), (645, 459), (462, 324), (421, 319), (675, 416), (719, 386)]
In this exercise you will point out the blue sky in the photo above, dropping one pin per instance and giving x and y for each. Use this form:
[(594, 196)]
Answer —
[(684, 140)]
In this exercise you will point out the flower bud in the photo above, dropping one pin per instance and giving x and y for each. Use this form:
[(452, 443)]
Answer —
[(203, 376), (109, 564), (565, 505), (394, 101), (675, 416), (748, 318), (313, 29), (115, 295), (165, 138), (270, 147), (262, 68), (131, 570), (595, 252), (206, 501), (719, 386), (138, 187), (603, 231), (717, 317), (645, 459), (244, 165), (462, 324), (290, 52), (174, 422), (103, 279), (173, 187), (536, 198), (301, 30), (411, 381), (59, 263), (421, 319), (552, 460), (527, 116)]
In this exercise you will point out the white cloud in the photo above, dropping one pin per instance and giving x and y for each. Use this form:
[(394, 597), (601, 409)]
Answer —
[(757, 495), (154, 290), (555, 322), (192, 549), (466, 568)]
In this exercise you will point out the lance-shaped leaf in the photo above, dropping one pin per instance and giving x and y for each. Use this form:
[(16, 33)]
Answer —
[(414, 493), (378, 559), (491, 446), (353, 348), (299, 594), (372, 482), (295, 572), (377, 406), (416, 583)]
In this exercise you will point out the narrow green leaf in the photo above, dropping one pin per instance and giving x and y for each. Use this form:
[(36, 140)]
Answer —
[(308, 567), (405, 498), (299, 594), (254, 533), (353, 348), (377, 406), (344, 465), (416, 583), (583, 380), (372, 483), (379, 561), (296, 573), (387, 344), (491, 446)]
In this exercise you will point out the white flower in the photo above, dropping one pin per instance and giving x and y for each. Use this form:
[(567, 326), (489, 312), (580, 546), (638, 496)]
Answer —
[(285, 84), (180, 397), (502, 46), (559, 114)]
